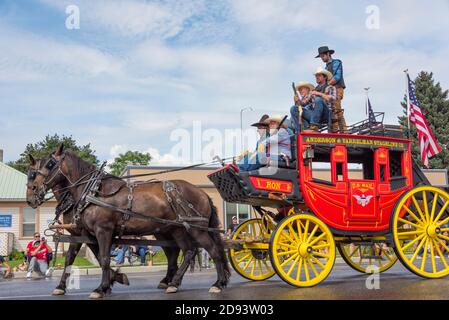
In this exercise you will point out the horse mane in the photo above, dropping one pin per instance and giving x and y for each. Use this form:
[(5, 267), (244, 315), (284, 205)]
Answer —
[(82, 166)]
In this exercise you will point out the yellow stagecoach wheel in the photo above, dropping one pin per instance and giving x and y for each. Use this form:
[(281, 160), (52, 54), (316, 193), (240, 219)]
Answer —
[(302, 250), (363, 257), (252, 264), (420, 231)]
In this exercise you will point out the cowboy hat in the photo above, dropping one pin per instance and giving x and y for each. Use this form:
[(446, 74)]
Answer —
[(324, 49), (276, 118), (327, 73), (261, 122), (305, 84)]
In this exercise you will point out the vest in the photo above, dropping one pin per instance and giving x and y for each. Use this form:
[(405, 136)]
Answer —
[(322, 88), (330, 68)]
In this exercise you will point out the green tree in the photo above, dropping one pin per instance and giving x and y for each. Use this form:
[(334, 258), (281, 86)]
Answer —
[(435, 106), (48, 145), (129, 158)]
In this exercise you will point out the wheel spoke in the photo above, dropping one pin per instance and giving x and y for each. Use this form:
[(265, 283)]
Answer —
[(253, 268), (317, 239), (424, 257), (318, 262), (432, 256), (443, 259), (408, 245), (321, 255), (426, 207), (298, 226), (312, 233), (421, 243), (293, 265), (289, 259), (415, 202), (306, 230), (412, 214), (446, 220), (298, 273), (440, 213), (434, 205), (306, 271), (312, 267), (267, 266), (287, 252), (321, 246), (259, 264), (409, 223), (248, 263), (244, 258), (292, 232), (443, 244), (443, 237), (354, 251)]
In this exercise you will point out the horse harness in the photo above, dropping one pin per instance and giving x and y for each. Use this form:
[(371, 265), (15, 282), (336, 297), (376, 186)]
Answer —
[(187, 215)]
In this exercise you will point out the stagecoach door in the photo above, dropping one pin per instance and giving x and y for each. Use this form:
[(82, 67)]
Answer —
[(364, 193)]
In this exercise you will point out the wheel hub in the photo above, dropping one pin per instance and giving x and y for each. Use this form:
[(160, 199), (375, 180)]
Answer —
[(432, 231), (304, 250), (260, 254)]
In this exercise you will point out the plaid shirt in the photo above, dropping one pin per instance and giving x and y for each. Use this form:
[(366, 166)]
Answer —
[(332, 92), (304, 101)]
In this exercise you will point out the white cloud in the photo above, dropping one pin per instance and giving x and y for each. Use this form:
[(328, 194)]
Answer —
[(130, 18)]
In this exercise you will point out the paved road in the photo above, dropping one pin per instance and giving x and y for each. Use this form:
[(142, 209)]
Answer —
[(343, 283)]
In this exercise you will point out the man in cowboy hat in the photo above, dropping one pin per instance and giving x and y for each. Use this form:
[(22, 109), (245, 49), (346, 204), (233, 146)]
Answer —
[(335, 66), (324, 97), (256, 159), (303, 100), (274, 147)]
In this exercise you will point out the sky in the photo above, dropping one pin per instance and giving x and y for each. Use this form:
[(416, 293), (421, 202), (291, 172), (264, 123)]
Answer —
[(137, 75)]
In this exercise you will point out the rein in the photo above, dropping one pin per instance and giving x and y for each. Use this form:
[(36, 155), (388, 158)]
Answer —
[(80, 181)]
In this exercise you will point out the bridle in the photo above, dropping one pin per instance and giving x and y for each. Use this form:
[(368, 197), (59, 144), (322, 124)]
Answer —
[(53, 167)]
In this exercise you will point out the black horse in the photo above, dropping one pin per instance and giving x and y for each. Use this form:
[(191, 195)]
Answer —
[(66, 170)]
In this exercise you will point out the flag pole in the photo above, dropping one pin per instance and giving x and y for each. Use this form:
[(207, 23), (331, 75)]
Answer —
[(408, 102)]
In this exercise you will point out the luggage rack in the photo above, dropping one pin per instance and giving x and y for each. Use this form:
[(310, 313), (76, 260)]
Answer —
[(374, 126)]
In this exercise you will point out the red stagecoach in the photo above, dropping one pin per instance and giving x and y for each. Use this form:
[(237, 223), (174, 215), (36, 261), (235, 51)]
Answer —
[(384, 210)]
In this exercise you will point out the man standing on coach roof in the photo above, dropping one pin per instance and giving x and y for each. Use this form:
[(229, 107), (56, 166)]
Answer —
[(335, 66)]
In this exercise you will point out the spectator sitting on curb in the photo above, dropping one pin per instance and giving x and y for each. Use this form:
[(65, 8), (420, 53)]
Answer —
[(29, 247), (38, 262), (5, 268)]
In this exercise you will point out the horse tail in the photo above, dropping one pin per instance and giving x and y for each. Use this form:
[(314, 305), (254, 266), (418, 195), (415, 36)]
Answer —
[(214, 222)]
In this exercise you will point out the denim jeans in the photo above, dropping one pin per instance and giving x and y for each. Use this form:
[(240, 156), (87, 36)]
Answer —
[(247, 164), (38, 265), (142, 250), (311, 114), (121, 254)]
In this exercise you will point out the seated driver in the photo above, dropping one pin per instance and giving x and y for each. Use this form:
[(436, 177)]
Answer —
[(256, 159), (277, 145)]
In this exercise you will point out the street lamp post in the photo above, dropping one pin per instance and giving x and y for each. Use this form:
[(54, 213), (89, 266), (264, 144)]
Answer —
[(241, 125)]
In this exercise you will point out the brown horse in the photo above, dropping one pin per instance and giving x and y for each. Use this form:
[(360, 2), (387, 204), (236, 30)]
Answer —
[(149, 199)]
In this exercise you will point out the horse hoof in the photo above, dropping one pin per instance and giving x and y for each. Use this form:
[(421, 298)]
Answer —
[(96, 295), (214, 289), (124, 279), (171, 289), (162, 285), (58, 292)]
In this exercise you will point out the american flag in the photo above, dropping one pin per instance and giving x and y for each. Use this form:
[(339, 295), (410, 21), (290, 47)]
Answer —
[(428, 144)]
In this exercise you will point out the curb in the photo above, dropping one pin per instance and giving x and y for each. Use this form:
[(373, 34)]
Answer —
[(97, 271)]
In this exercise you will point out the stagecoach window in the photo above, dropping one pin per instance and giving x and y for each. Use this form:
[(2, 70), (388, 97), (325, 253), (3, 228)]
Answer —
[(28, 222), (321, 171), (362, 158), (339, 168), (395, 163), (241, 211)]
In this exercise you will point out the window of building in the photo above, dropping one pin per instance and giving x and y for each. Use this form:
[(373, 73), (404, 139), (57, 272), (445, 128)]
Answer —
[(241, 211), (28, 222)]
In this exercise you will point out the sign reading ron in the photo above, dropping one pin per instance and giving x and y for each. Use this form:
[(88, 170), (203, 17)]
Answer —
[(6, 221)]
